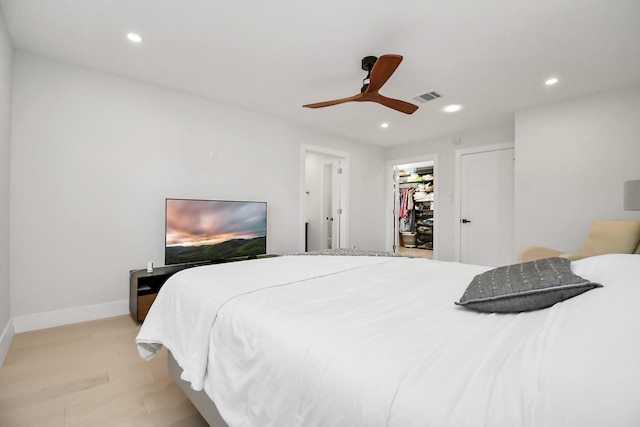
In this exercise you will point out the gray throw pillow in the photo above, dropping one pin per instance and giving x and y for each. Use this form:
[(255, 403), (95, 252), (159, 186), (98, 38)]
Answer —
[(524, 287)]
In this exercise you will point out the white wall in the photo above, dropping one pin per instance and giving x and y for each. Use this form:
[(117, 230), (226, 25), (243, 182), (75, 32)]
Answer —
[(445, 186), (94, 156), (572, 158), (6, 66)]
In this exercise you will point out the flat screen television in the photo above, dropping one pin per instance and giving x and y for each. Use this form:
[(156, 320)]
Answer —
[(213, 230)]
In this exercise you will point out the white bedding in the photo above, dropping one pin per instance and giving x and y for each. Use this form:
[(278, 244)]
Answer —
[(371, 341)]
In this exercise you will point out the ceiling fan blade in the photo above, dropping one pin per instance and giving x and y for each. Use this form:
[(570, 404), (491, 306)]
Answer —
[(384, 67), (396, 104), (334, 102)]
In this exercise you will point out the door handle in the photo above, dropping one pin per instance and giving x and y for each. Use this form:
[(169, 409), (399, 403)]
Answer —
[(465, 221)]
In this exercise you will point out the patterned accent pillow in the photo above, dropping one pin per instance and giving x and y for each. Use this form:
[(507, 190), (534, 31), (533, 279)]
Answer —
[(524, 287)]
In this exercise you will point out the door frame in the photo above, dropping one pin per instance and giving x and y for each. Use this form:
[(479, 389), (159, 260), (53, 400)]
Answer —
[(391, 195), (344, 157), (458, 186)]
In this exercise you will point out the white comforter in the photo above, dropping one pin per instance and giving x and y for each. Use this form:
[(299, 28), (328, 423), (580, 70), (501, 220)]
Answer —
[(369, 341)]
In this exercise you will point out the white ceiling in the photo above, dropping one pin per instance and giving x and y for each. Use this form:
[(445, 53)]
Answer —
[(272, 57)]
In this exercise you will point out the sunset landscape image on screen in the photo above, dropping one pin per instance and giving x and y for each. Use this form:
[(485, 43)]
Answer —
[(210, 230)]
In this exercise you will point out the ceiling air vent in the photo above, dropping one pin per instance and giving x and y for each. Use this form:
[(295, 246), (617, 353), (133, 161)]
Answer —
[(429, 96)]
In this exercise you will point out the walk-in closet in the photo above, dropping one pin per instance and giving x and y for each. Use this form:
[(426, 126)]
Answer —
[(415, 208)]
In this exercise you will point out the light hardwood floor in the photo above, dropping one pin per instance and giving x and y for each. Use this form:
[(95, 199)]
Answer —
[(89, 374), (424, 253)]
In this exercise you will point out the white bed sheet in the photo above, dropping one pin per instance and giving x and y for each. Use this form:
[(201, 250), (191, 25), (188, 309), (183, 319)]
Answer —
[(380, 343), (184, 311)]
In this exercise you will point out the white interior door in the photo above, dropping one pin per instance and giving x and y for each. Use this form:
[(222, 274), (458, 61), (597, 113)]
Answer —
[(486, 207), (327, 203), (336, 204), (332, 204)]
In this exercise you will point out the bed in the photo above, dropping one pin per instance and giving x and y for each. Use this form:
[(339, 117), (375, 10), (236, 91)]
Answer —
[(379, 341)]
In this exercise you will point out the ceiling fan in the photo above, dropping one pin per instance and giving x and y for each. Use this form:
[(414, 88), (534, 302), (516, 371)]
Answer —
[(378, 72)]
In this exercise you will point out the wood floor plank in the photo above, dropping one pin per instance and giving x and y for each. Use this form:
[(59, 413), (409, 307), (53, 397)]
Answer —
[(89, 374)]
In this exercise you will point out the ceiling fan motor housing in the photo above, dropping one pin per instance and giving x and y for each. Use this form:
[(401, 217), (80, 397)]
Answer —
[(368, 61), (367, 65)]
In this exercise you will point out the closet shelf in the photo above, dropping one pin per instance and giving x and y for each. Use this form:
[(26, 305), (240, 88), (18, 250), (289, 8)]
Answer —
[(416, 184), (417, 225)]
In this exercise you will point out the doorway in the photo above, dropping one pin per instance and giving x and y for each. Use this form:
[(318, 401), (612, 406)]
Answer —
[(412, 196), (485, 205), (331, 206), (324, 201)]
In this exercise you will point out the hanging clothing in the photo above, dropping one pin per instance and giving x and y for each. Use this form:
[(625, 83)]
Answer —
[(407, 213)]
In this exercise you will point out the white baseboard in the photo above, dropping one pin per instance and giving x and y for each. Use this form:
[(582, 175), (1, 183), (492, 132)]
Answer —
[(50, 319), (5, 340)]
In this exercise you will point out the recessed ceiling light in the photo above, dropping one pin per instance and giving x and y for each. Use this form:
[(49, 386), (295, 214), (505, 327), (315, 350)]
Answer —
[(551, 81), (384, 125), (452, 108), (134, 37)]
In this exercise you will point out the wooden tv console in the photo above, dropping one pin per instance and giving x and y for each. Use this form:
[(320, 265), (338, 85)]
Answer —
[(144, 286)]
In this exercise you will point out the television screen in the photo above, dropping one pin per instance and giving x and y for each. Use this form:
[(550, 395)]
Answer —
[(210, 230)]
